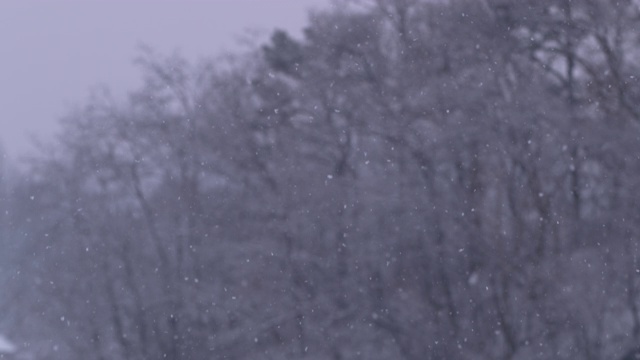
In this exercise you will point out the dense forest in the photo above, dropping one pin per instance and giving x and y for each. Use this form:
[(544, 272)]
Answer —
[(410, 179)]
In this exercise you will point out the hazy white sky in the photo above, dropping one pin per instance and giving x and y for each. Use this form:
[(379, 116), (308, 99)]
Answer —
[(53, 52)]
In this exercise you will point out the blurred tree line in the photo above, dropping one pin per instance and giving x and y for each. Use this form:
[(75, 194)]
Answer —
[(412, 179)]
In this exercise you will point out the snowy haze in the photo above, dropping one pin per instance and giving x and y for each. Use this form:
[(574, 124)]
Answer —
[(413, 179), (54, 52)]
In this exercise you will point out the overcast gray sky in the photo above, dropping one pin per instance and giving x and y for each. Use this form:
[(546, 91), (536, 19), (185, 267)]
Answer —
[(53, 52)]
